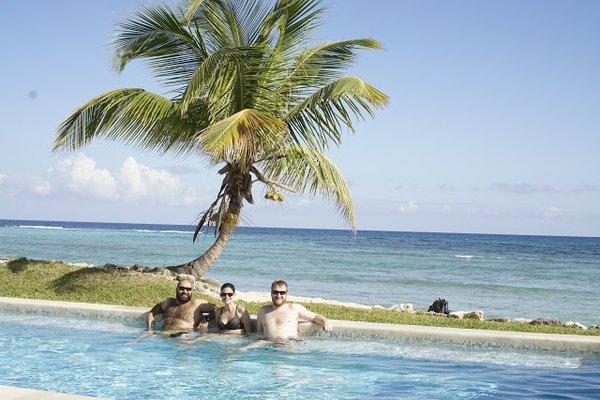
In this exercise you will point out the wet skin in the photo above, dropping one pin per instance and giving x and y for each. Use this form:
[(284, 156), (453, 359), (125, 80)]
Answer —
[(280, 320), (182, 313)]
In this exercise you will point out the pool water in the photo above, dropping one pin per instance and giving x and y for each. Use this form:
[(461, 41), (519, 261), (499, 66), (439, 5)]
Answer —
[(101, 358)]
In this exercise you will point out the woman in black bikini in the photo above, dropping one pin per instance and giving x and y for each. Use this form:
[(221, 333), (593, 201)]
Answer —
[(232, 318)]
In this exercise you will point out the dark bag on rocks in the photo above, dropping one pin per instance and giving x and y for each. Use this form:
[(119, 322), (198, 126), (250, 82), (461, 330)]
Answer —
[(439, 306)]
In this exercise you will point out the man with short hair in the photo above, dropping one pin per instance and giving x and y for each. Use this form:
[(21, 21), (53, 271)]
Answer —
[(280, 320), (182, 313)]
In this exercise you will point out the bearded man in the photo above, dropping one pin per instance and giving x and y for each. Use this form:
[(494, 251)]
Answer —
[(182, 313)]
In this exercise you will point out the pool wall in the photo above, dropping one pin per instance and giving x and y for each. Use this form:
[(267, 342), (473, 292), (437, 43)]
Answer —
[(134, 316)]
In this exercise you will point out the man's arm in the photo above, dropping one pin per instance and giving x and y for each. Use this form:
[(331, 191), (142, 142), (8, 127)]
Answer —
[(201, 318), (156, 310), (259, 321), (246, 322), (304, 314)]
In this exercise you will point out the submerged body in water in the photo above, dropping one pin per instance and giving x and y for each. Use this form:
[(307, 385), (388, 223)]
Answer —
[(53, 353)]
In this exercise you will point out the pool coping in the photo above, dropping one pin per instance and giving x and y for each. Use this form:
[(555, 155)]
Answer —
[(343, 327), (18, 393)]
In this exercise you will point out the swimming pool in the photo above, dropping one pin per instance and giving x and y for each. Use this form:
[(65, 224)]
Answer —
[(97, 357)]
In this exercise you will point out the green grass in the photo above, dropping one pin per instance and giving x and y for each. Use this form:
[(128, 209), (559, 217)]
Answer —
[(58, 281)]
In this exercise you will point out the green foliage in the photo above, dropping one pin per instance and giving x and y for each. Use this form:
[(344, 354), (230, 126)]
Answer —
[(58, 281), (247, 87)]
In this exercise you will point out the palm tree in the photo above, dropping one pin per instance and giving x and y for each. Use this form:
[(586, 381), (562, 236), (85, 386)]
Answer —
[(248, 90)]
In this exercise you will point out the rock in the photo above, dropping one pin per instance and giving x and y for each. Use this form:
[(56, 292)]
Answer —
[(435, 314), (501, 319), (212, 283), (572, 324), (594, 326), (407, 307), (477, 314), (522, 320), (546, 321), (162, 271), (378, 307), (139, 268), (404, 307)]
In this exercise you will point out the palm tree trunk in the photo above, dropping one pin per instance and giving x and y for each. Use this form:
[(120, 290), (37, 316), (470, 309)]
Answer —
[(200, 265)]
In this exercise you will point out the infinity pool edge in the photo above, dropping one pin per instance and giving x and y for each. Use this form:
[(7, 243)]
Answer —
[(350, 328)]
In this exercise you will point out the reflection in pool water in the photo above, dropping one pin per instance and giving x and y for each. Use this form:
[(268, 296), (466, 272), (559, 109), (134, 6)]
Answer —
[(99, 358)]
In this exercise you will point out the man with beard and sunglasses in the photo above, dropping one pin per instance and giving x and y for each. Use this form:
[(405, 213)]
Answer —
[(280, 320), (182, 313)]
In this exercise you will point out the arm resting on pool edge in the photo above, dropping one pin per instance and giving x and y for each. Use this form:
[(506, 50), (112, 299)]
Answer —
[(305, 314)]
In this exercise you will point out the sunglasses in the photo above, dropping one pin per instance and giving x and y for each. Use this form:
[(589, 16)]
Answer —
[(187, 289), (280, 292), (225, 294)]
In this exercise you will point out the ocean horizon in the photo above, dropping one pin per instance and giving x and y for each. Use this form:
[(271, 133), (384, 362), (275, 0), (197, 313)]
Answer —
[(191, 227), (502, 274)]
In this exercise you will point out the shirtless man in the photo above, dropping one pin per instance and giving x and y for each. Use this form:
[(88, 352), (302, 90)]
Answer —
[(182, 313), (280, 321)]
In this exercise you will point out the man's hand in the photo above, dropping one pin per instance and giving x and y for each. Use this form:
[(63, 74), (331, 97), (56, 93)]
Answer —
[(327, 326), (149, 321)]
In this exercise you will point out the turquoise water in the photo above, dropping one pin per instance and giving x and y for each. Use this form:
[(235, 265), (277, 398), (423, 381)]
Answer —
[(503, 275), (98, 358)]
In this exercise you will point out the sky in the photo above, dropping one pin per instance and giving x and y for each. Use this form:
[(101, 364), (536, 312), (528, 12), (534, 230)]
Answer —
[(492, 125)]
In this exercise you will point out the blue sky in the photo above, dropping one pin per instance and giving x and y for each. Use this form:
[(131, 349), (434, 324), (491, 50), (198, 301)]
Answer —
[(492, 125)]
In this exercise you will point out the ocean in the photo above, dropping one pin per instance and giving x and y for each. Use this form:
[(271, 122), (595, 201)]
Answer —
[(503, 275)]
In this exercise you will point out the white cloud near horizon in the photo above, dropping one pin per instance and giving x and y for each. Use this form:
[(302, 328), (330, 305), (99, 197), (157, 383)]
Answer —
[(409, 207), (133, 182), (81, 176), (551, 212), (41, 187), (523, 188)]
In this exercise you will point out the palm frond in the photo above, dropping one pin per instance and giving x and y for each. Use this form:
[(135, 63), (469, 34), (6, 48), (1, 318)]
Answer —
[(158, 36), (291, 22), (324, 63), (240, 138), (306, 169), (321, 117), (226, 76), (133, 116)]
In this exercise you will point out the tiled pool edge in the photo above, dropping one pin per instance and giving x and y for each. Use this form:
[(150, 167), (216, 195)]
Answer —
[(352, 328), (17, 393)]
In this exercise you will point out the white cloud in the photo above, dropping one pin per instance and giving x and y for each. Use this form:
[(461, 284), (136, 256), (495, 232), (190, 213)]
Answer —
[(2, 178), (80, 175), (41, 187), (523, 188), (140, 182), (409, 207), (550, 212), (133, 182)]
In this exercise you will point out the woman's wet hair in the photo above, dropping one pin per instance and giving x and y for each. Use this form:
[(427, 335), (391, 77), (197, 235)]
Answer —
[(228, 285)]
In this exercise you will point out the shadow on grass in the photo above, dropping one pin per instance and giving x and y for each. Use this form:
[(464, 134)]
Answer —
[(19, 264), (75, 281)]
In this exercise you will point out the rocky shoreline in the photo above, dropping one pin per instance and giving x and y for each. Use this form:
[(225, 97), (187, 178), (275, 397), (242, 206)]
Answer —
[(211, 287)]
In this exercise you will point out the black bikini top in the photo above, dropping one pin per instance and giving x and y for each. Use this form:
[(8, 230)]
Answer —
[(233, 323)]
